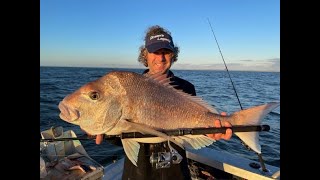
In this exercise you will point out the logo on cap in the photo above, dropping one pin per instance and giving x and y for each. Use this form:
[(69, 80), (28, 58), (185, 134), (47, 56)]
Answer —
[(160, 37), (159, 41)]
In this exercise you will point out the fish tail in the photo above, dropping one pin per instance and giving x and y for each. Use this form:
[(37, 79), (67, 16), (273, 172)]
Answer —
[(253, 116)]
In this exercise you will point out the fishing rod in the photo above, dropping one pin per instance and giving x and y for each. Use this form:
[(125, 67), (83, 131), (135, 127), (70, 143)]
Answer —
[(225, 65), (175, 132), (259, 155)]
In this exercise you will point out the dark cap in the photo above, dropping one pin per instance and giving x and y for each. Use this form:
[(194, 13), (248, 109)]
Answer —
[(159, 41)]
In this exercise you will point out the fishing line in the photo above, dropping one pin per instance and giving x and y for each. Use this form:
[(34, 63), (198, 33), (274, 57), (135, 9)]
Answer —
[(259, 155)]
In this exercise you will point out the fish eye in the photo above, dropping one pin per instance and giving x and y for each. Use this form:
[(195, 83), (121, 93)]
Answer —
[(94, 95)]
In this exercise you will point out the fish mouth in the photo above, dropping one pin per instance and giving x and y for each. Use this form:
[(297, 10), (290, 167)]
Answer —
[(67, 113)]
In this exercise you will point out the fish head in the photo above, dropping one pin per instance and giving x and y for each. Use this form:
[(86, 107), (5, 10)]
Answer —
[(95, 107)]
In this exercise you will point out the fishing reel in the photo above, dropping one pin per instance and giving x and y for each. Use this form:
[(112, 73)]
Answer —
[(165, 159)]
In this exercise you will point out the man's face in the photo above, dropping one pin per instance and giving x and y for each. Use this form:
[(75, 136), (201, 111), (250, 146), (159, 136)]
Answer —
[(159, 61)]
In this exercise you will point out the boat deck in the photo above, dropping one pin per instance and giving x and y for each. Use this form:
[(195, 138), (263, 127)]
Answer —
[(211, 163)]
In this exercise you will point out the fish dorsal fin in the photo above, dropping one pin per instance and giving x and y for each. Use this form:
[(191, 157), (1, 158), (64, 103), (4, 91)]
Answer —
[(165, 81), (194, 141)]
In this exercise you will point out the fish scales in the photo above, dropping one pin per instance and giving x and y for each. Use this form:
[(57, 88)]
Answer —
[(162, 107)]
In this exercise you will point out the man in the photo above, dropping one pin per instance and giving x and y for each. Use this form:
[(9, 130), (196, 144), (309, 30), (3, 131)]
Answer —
[(158, 54)]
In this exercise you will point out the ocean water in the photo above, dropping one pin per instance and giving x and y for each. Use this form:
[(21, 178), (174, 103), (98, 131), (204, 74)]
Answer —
[(215, 87)]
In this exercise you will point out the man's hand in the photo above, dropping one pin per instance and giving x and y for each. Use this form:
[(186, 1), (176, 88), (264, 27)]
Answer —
[(99, 137), (217, 136)]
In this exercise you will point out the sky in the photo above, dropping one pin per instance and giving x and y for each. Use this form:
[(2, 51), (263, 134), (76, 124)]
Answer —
[(105, 33)]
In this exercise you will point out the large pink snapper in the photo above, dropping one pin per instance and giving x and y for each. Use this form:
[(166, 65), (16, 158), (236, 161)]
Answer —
[(129, 102)]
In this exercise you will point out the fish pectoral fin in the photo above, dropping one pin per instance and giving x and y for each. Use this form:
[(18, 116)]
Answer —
[(131, 148), (194, 141), (147, 130)]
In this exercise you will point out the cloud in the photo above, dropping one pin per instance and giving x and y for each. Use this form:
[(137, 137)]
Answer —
[(269, 65)]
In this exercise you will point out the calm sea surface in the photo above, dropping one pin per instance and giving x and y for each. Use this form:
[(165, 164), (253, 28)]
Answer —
[(253, 88)]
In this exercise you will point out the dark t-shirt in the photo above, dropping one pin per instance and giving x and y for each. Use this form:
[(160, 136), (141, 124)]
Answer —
[(145, 170)]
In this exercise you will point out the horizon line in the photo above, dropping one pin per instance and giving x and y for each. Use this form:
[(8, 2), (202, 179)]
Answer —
[(189, 69)]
